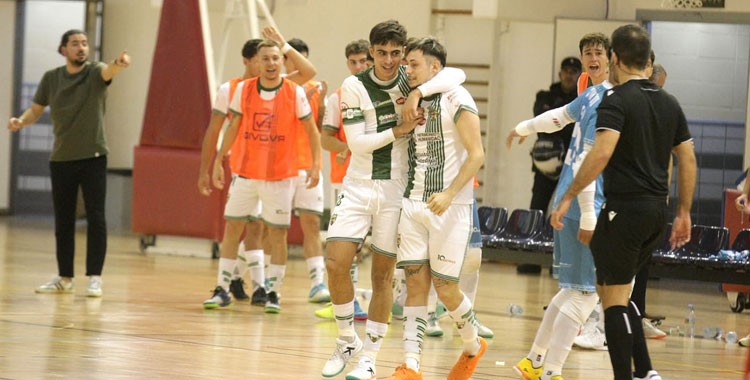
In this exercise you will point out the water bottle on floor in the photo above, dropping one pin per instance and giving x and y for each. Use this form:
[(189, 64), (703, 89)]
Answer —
[(732, 337), (514, 310), (690, 322)]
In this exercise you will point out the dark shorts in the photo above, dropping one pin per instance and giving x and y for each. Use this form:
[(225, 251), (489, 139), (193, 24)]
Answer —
[(627, 232)]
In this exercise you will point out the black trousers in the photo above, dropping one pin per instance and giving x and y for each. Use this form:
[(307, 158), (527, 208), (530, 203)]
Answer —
[(91, 176), (542, 192)]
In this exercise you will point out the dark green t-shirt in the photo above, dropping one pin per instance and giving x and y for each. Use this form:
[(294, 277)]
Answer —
[(77, 109)]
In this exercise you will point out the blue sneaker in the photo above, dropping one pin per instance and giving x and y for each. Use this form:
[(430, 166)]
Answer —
[(397, 311), (440, 311), (359, 314), (220, 299), (319, 293)]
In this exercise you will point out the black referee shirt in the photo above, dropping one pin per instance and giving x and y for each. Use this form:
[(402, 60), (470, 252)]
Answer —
[(650, 123)]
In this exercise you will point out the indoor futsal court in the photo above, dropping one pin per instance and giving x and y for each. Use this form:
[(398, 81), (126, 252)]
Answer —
[(126, 157)]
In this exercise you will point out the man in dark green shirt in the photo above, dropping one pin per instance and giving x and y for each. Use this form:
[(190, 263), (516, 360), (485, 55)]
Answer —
[(76, 94)]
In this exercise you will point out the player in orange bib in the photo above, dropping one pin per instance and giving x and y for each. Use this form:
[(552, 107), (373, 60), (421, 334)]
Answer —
[(266, 111)]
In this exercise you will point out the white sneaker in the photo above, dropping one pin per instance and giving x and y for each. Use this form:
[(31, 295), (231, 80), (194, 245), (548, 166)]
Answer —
[(744, 342), (592, 339), (344, 351), (433, 328), (95, 287), (484, 331), (651, 332), (651, 375), (57, 285), (365, 370)]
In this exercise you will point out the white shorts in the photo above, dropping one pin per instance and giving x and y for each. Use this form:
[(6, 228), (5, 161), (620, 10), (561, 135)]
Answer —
[(245, 197), (307, 200), (365, 203), (439, 241)]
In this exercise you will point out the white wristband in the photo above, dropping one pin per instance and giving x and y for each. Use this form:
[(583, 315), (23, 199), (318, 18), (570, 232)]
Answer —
[(286, 48)]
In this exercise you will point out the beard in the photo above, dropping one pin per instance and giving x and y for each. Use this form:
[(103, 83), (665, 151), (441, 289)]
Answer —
[(78, 60)]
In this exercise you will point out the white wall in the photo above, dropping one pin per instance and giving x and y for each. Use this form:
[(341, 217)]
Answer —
[(7, 44), (707, 67)]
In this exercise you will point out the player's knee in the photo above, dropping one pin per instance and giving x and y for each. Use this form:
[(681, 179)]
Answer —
[(578, 305), (473, 260), (381, 280), (309, 222)]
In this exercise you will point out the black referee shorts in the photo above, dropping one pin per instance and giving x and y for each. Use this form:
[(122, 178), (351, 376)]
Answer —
[(626, 234)]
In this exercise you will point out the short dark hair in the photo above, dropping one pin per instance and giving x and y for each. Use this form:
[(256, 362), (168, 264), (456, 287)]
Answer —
[(593, 39), (299, 45), (388, 32), (250, 49), (66, 37), (632, 44), (428, 46), (357, 47)]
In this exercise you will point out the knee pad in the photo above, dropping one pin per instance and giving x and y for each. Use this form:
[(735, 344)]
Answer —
[(473, 260), (578, 305)]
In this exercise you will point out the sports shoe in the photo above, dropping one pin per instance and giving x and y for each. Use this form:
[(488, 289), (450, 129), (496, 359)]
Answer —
[(467, 364), (326, 312), (344, 351), (652, 332), (440, 311), (525, 369), (57, 285), (744, 342), (405, 373), (397, 311), (591, 338), (237, 288), (319, 293), (365, 370), (95, 287), (483, 330), (220, 299), (651, 375), (272, 305), (359, 314), (259, 297), (433, 328)]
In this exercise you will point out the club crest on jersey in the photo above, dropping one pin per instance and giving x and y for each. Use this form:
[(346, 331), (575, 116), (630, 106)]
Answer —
[(557, 122), (434, 114), (398, 240), (333, 220)]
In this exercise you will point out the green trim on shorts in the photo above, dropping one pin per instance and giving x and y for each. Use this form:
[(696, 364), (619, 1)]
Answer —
[(308, 211), (330, 127), (269, 224), (351, 240), (382, 252), (247, 218), (443, 277), (405, 263)]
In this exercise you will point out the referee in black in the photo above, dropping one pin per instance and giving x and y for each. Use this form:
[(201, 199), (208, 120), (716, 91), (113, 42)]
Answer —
[(638, 126)]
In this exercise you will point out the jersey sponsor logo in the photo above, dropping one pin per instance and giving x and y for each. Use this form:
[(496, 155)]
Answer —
[(262, 121), (610, 92), (351, 113), (281, 212), (557, 122), (401, 100), (387, 118), (611, 215), (264, 137), (445, 259)]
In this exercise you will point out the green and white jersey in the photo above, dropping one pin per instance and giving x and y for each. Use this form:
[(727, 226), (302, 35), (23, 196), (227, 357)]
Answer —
[(436, 152), (368, 107)]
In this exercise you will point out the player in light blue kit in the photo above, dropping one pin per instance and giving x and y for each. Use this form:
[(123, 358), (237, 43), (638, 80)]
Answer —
[(571, 306)]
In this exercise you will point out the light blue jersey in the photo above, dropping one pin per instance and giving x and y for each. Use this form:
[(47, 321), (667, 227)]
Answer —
[(573, 262), (583, 110)]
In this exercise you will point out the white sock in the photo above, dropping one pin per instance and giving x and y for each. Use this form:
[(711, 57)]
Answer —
[(316, 267), (415, 323), (399, 286), (564, 332), (275, 277), (432, 300), (375, 332), (544, 334), (465, 322), (344, 315), (354, 272), (241, 263), (255, 265), (267, 263), (599, 316), (226, 267)]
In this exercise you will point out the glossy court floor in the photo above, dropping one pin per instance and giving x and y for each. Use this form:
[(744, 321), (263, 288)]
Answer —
[(150, 323)]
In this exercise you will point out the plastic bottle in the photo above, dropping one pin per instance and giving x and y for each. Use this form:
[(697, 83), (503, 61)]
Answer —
[(732, 337), (690, 322), (710, 332), (514, 310)]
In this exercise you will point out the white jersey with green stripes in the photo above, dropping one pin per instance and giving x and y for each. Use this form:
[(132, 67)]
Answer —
[(379, 107), (436, 152)]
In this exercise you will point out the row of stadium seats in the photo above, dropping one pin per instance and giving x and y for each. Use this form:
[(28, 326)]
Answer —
[(525, 230)]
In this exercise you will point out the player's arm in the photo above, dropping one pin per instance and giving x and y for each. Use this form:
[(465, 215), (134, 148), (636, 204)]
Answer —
[(313, 175), (548, 122), (330, 122), (470, 136), (305, 69), (741, 201), (111, 69), (330, 143), (322, 103), (208, 148), (444, 81), (226, 143), (30, 116), (586, 202)]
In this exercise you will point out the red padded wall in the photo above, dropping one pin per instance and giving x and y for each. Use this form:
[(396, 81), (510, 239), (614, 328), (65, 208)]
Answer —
[(179, 105)]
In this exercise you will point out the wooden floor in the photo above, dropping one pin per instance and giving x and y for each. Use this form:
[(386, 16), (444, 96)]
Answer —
[(150, 323)]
